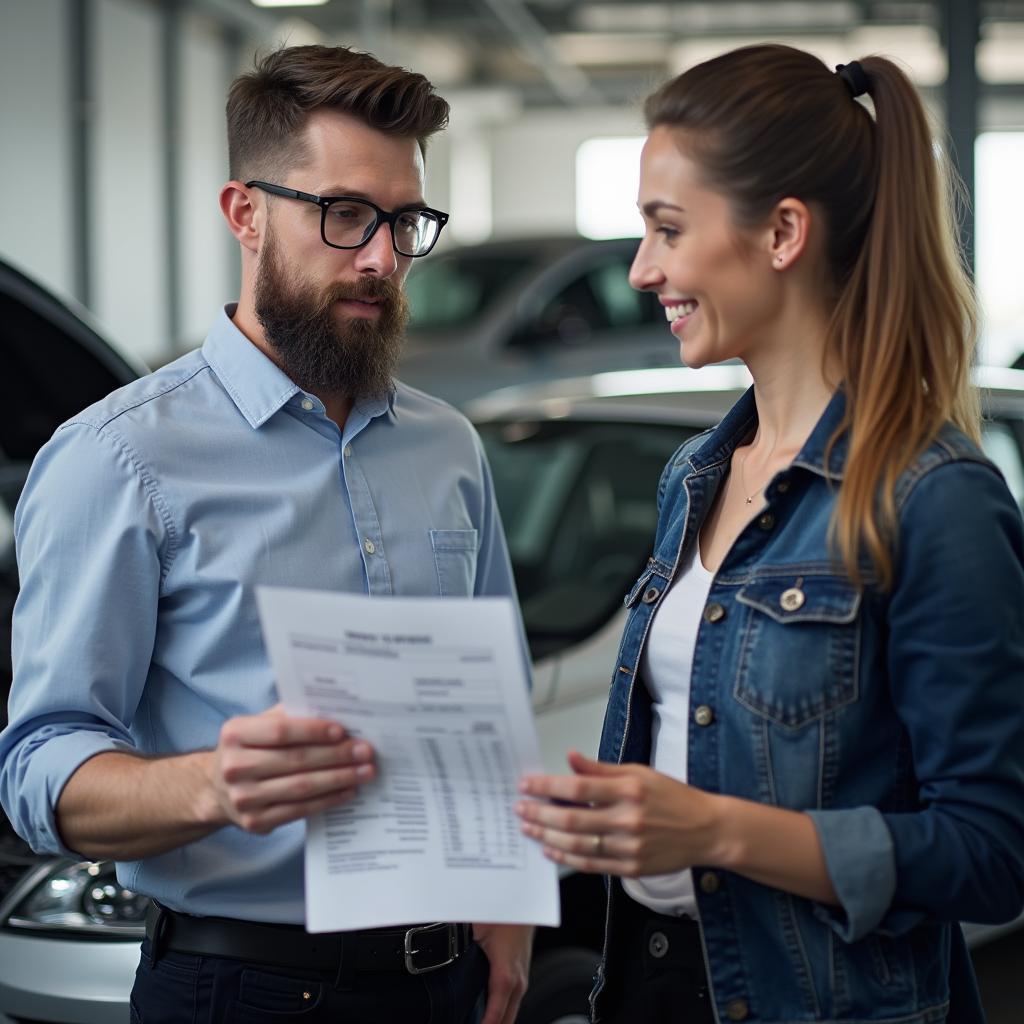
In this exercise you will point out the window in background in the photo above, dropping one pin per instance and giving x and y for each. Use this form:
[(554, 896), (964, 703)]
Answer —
[(999, 227), (607, 180)]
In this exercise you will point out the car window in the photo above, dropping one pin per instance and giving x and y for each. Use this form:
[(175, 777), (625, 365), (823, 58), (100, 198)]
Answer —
[(12, 479), (591, 307), (578, 501), (1000, 445), (452, 291), (46, 376)]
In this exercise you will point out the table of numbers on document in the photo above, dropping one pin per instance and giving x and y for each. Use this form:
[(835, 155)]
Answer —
[(443, 749)]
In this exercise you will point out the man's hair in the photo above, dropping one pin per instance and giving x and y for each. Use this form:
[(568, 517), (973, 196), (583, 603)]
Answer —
[(268, 108)]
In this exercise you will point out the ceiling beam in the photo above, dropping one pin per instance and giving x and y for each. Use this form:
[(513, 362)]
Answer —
[(571, 84)]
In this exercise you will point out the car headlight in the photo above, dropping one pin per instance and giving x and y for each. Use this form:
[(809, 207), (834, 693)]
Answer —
[(84, 898)]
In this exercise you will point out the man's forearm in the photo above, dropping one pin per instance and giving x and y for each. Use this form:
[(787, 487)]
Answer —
[(124, 807), (267, 769)]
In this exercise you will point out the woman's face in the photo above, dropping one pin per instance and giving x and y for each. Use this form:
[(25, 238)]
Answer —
[(715, 281)]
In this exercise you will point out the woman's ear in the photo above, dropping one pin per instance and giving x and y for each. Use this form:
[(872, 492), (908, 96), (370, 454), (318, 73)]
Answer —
[(244, 218), (789, 229)]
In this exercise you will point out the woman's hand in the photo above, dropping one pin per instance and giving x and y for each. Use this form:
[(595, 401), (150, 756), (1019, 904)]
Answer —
[(631, 820), (628, 820)]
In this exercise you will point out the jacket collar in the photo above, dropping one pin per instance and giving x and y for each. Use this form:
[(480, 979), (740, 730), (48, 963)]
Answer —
[(257, 386), (741, 421)]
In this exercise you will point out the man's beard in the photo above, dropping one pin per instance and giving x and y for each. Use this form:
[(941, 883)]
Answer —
[(321, 353)]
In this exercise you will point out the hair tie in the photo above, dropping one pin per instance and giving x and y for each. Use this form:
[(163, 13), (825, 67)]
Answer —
[(855, 78)]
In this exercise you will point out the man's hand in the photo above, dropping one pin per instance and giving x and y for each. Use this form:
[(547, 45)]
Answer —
[(272, 768), (507, 947)]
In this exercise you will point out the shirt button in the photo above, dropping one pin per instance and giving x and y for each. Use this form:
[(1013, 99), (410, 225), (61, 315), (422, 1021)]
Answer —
[(657, 945), (710, 882), (650, 595), (737, 1009), (766, 521), (714, 612), (347, 450), (307, 404), (792, 599), (703, 715), (782, 486), (368, 546)]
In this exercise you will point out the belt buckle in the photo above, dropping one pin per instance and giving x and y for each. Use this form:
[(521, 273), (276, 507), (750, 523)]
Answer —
[(453, 949)]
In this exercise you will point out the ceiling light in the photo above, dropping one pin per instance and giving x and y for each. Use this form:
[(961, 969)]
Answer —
[(289, 3)]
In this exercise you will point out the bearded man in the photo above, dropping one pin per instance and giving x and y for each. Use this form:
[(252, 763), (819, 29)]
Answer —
[(143, 724)]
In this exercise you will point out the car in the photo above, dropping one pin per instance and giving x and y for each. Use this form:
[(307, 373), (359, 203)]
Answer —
[(575, 463), (526, 311)]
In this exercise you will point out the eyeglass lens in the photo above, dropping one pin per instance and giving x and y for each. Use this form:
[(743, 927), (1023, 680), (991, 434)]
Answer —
[(349, 223)]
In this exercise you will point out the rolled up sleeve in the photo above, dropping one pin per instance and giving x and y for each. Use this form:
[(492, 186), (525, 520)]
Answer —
[(956, 671), (89, 535)]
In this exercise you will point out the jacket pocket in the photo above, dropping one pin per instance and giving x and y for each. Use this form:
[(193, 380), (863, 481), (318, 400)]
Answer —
[(455, 555), (799, 648)]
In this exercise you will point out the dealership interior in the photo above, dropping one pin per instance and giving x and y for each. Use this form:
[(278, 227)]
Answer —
[(112, 120)]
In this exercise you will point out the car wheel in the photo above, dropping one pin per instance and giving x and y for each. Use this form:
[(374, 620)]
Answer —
[(560, 983)]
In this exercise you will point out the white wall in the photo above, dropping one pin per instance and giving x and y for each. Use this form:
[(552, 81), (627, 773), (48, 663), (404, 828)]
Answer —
[(35, 140), (534, 166), (129, 244), (207, 247)]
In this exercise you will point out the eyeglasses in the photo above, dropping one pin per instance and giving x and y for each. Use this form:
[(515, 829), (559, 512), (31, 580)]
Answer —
[(349, 223)]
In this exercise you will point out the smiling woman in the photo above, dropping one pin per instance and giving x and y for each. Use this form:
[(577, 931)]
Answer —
[(790, 797)]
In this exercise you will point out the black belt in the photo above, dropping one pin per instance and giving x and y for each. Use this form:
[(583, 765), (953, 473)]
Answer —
[(414, 950)]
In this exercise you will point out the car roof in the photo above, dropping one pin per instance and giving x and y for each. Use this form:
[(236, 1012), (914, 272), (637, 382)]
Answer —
[(677, 394), (70, 318), (538, 251)]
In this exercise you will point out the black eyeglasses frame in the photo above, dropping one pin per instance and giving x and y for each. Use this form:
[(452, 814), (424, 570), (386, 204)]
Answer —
[(383, 216)]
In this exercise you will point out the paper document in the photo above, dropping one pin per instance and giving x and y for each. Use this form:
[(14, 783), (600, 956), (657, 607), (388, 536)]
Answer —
[(437, 686)]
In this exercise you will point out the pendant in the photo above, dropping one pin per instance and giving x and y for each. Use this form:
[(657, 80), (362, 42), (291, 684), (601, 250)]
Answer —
[(749, 501)]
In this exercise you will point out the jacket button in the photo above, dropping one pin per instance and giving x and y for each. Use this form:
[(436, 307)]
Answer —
[(766, 520), (737, 1009), (710, 882), (714, 612), (657, 945), (792, 599), (703, 715)]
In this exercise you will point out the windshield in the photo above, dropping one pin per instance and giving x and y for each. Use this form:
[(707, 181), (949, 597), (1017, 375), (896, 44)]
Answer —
[(452, 291), (578, 502)]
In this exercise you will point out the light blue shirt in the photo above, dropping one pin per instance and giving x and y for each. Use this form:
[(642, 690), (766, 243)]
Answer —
[(145, 525)]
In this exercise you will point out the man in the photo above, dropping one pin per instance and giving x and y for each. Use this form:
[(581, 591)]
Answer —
[(143, 724)]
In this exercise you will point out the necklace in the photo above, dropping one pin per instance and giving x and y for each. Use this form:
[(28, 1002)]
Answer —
[(749, 499)]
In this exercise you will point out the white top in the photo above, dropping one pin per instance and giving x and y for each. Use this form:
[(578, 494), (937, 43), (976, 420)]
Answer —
[(665, 668)]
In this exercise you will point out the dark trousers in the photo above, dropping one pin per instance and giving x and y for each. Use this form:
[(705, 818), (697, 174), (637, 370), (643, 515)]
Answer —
[(181, 988), (655, 971)]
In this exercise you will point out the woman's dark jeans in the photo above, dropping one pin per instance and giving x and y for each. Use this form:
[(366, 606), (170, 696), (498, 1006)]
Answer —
[(655, 971)]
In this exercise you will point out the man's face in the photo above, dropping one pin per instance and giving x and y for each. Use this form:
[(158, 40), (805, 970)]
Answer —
[(334, 317)]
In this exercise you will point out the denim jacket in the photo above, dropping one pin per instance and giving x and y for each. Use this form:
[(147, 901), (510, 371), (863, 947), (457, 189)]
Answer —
[(895, 719)]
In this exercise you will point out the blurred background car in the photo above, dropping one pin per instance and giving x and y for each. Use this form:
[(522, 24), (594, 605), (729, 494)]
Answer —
[(575, 464), (529, 310)]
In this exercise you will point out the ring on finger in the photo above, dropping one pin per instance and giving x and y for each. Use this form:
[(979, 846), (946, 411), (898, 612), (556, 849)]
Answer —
[(596, 845)]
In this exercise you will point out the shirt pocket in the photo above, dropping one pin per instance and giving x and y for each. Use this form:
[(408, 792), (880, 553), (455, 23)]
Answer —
[(455, 556), (799, 650)]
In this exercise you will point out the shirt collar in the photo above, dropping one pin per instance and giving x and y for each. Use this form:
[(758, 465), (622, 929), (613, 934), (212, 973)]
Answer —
[(257, 386), (741, 420)]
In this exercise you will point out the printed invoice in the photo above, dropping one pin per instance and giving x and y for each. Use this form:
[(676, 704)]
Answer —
[(438, 687)]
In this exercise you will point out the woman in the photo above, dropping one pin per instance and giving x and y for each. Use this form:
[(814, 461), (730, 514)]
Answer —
[(813, 752)]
